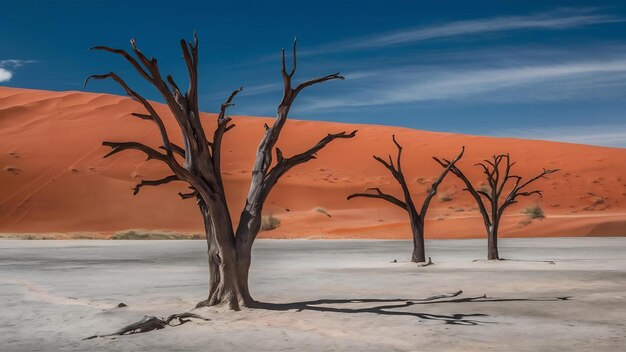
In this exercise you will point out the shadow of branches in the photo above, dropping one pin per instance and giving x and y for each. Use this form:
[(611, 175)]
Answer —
[(393, 306)]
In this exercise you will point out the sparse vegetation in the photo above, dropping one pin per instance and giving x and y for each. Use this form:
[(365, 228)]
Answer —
[(152, 235), (321, 211), (523, 223), (269, 222), (598, 200), (22, 237), (446, 197), (483, 187), (533, 212)]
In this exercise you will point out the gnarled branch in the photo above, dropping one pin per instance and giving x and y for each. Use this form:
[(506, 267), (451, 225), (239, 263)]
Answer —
[(380, 195), (433, 188), (158, 182), (137, 97), (121, 146), (263, 179), (285, 164)]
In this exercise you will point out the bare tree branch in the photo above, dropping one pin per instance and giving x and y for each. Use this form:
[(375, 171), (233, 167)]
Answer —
[(158, 182), (381, 195), (469, 187), (433, 188), (222, 127), (137, 97), (285, 164), (121, 146), (264, 178), (128, 58)]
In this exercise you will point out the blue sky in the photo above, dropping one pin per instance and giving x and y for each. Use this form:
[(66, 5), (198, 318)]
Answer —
[(532, 69)]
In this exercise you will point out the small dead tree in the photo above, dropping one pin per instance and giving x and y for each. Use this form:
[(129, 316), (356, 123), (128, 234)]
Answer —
[(498, 174), (198, 163), (416, 217)]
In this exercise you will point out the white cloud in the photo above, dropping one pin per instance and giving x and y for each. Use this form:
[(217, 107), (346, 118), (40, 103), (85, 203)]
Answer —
[(247, 91), (262, 89), (554, 20), (5, 75), (7, 67)]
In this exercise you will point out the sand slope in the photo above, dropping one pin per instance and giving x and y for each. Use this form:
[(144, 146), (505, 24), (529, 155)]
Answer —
[(53, 177)]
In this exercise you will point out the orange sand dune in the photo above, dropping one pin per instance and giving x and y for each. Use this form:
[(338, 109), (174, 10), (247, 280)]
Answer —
[(54, 179)]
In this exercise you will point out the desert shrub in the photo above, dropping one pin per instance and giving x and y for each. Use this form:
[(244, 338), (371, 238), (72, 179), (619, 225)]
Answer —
[(523, 223), (483, 187), (533, 212), (269, 222), (22, 236), (152, 235), (445, 197), (597, 200), (321, 211)]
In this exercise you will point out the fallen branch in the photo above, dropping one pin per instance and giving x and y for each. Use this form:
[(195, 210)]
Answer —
[(149, 323)]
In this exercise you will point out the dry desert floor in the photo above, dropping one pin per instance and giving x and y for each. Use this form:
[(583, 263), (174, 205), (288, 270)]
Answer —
[(344, 295)]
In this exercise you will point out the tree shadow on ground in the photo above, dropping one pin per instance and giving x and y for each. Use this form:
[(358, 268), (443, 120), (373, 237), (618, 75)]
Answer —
[(397, 303)]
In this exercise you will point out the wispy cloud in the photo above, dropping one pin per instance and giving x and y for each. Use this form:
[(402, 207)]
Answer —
[(531, 82), (613, 135), (554, 20), (7, 68), (247, 91)]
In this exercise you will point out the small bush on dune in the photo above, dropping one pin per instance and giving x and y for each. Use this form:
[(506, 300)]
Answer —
[(533, 212), (321, 211), (269, 222), (446, 197), (597, 200), (484, 188), (523, 223)]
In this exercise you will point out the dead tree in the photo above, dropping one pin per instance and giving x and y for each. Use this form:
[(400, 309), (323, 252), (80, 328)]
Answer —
[(416, 217), (198, 163), (489, 198)]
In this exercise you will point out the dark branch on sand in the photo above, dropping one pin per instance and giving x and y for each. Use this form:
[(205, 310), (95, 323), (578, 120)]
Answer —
[(149, 323)]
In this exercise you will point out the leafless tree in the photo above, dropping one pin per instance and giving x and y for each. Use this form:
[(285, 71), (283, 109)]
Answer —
[(197, 162), (416, 217), (498, 174)]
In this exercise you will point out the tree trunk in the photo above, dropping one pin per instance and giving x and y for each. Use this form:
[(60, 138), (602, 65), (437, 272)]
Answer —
[(247, 230), (492, 243), (417, 227), (227, 283)]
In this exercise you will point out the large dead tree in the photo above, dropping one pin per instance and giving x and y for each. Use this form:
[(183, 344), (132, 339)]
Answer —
[(197, 162), (498, 174), (416, 217)]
